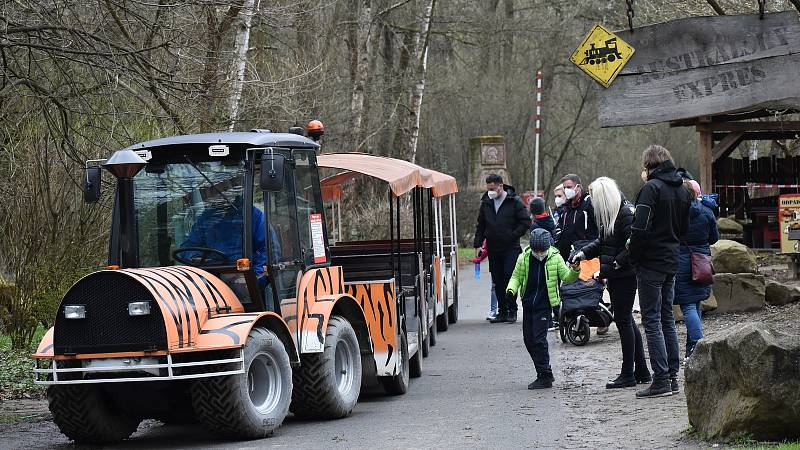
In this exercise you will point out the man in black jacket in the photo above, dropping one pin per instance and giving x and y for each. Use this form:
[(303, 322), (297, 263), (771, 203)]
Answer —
[(577, 221), (660, 222), (502, 221)]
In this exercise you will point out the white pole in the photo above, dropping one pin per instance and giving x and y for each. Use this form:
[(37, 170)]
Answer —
[(537, 131)]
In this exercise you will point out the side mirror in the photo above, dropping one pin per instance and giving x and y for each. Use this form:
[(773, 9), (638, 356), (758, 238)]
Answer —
[(272, 171), (91, 185)]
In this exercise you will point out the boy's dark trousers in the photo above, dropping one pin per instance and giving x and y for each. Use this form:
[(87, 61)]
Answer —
[(534, 332)]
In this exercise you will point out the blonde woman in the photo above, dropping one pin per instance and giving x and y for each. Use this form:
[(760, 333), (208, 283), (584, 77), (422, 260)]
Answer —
[(614, 217)]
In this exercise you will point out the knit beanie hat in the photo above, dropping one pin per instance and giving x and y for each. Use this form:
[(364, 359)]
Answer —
[(537, 206), (541, 240)]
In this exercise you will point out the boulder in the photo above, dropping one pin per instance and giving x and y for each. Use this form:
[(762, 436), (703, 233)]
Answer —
[(739, 292), (733, 257), (729, 226), (709, 304), (743, 382), (780, 294)]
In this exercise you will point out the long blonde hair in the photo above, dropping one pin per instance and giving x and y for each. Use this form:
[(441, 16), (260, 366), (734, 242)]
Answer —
[(606, 201)]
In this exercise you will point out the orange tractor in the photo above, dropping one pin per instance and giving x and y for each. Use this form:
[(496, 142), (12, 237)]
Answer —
[(220, 302)]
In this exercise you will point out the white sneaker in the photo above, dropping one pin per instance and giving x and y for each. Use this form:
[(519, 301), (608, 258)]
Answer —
[(491, 315)]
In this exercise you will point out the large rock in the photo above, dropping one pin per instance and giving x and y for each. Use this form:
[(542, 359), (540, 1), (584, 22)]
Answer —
[(744, 382), (739, 292), (780, 294), (729, 226), (733, 257)]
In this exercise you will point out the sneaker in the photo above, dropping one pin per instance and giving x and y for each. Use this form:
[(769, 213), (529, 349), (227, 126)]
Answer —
[(621, 382), (602, 330), (676, 387), (491, 315), (657, 389), (512, 317), (543, 381), (500, 318)]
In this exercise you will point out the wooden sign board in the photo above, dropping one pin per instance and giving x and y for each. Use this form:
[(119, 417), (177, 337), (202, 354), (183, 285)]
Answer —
[(703, 66), (602, 55)]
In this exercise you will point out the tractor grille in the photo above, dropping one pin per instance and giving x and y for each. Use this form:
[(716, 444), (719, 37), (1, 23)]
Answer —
[(108, 327)]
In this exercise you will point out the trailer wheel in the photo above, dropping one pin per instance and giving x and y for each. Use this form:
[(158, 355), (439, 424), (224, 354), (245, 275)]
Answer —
[(415, 362), (84, 414), (453, 309), (253, 404), (398, 384), (432, 334), (443, 320), (425, 344), (327, 384)]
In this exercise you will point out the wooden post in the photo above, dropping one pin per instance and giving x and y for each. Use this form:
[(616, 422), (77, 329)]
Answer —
[(706, 159)]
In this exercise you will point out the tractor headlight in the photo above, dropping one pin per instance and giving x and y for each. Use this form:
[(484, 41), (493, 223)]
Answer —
[(138, 308), (75, 311)]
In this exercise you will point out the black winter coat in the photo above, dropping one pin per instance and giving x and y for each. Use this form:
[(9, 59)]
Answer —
[(546, 222), (660, 221), (614, 261), (504, 228), (576, 224)]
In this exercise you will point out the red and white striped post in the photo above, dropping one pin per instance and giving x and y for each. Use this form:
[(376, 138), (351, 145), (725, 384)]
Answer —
[(537, 131)]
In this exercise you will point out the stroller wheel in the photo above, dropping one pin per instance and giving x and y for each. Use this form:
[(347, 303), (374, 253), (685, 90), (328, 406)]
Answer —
[(578, 335)]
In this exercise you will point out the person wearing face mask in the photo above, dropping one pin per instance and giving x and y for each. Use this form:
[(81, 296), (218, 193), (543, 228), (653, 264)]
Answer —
[(577, 222), (660, 223), (538, 273), (502, 220)]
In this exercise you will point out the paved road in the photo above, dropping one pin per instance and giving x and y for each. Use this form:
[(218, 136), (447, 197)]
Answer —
[(473, 394)]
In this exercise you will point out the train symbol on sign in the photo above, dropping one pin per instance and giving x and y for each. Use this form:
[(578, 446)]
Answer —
[(609, 53)]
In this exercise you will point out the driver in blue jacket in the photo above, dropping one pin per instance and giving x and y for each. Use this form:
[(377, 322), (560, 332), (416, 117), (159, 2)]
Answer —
[(221, 227)]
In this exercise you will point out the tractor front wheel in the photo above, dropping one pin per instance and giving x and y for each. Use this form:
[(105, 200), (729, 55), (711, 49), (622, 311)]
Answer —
[(84, 414), (253, 404)]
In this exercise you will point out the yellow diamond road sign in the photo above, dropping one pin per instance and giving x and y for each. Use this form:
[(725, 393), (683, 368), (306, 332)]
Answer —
[(602, 55)]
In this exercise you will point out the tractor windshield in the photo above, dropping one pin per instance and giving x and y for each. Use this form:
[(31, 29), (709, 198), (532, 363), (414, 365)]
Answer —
[(193, 213)]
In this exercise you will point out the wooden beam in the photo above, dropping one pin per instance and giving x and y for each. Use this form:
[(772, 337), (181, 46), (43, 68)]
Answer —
[(727, 145), (706, 160), (733, 117), (761, 135), (751, 126)]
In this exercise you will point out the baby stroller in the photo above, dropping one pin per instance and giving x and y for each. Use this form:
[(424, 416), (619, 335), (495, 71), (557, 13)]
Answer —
[(582, 307)]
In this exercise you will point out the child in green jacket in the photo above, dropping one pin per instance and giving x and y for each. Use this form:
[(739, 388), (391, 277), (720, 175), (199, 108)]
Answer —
[(539, 272)]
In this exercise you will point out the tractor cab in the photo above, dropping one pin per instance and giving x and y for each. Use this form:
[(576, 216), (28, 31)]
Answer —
[(245, 207)]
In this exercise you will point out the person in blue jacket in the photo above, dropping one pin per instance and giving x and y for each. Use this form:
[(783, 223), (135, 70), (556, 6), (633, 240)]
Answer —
[(702, 234), (220, 227)]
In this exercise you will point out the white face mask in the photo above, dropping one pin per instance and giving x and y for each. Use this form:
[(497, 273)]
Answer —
[(570, 193), (540, 256), (492, 194), (560, 201)]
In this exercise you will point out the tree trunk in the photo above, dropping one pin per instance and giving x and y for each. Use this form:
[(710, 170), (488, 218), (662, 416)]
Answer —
[(364, 55), (241, 44), (418, 87)]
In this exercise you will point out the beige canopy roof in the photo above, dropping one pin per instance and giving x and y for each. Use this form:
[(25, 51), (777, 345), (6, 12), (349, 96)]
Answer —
[(402, 176)]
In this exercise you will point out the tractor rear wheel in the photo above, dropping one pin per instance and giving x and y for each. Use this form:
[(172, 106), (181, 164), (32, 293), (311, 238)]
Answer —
[(327, 384), (253, 404), (84, 414)]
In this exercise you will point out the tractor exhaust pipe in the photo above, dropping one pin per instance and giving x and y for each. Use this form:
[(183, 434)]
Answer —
[(124, 165)]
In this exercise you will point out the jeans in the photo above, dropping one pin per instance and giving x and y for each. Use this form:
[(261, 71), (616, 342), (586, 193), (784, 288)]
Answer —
[(623, 293), (493, 301), (501, 266), (694, 329), (534, 334), (656, 292)]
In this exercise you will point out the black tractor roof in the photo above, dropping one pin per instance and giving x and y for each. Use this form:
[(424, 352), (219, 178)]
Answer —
[(246, 139)]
